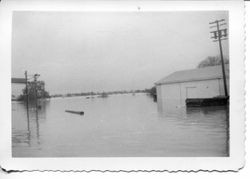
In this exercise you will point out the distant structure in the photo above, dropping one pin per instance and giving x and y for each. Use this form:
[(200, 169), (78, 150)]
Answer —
[(195, 83)]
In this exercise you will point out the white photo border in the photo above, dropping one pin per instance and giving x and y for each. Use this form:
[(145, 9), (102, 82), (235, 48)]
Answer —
[(237, 103)]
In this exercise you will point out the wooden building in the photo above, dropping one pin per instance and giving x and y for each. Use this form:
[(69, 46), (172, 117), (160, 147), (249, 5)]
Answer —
[(195, 83)]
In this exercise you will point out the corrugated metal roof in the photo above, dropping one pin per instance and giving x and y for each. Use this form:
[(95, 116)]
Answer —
[(198, 74)]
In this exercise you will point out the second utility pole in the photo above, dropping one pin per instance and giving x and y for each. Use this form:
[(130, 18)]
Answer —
[(218, 34)]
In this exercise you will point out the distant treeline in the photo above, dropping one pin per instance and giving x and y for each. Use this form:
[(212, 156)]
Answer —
[(151, 90)]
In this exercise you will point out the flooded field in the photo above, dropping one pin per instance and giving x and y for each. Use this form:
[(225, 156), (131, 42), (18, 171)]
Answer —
[(118, 126)]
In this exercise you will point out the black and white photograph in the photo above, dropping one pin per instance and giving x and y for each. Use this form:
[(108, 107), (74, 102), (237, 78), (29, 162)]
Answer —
[(120, 84)]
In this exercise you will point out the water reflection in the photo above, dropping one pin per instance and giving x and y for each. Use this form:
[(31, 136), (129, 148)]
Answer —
[(120, 125), (207, 121), (29, 135)]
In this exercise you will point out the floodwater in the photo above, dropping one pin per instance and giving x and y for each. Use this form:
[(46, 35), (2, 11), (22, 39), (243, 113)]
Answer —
[(118, 126)]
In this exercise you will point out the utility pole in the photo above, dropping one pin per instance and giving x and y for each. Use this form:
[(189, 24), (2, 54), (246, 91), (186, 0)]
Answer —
[(37, 123), (35, 80), (26, 91), (27, 99), (218, 36)]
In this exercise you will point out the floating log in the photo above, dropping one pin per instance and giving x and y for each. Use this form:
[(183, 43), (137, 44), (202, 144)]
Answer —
[(199, 102), (75, 112)]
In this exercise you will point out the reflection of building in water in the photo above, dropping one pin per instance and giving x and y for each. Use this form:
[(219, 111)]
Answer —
[(173, 90)]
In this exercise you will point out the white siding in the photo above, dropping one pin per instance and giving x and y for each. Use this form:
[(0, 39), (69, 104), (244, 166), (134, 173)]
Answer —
[(175, 94), (159, 96), (221, 83), (201, 89), (168, 97)]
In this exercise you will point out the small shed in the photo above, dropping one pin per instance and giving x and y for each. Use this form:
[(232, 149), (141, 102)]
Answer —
[(195, 83)]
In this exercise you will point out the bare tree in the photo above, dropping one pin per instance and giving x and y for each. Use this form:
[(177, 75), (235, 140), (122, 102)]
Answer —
[(212, 61)]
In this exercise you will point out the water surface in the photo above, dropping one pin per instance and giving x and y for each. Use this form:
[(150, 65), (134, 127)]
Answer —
[(118, 126)]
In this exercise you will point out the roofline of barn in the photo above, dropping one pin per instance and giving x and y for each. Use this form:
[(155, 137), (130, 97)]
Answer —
[(183, 81)]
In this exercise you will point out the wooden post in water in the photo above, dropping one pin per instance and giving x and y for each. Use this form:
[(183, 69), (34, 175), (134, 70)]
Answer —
[(27, 94), (37, 122), (35, 80), (27, 105)]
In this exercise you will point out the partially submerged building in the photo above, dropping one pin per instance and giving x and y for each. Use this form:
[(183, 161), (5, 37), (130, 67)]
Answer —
[(195, 83)]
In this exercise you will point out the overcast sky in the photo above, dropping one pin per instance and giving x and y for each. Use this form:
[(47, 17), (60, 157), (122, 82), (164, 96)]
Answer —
[(105, 51)]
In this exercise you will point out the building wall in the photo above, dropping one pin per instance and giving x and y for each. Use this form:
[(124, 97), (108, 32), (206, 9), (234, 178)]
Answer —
[(174, 95), (221, 83), (168, 95)]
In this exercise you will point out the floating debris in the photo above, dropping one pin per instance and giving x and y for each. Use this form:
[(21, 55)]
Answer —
[(75, 112)]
